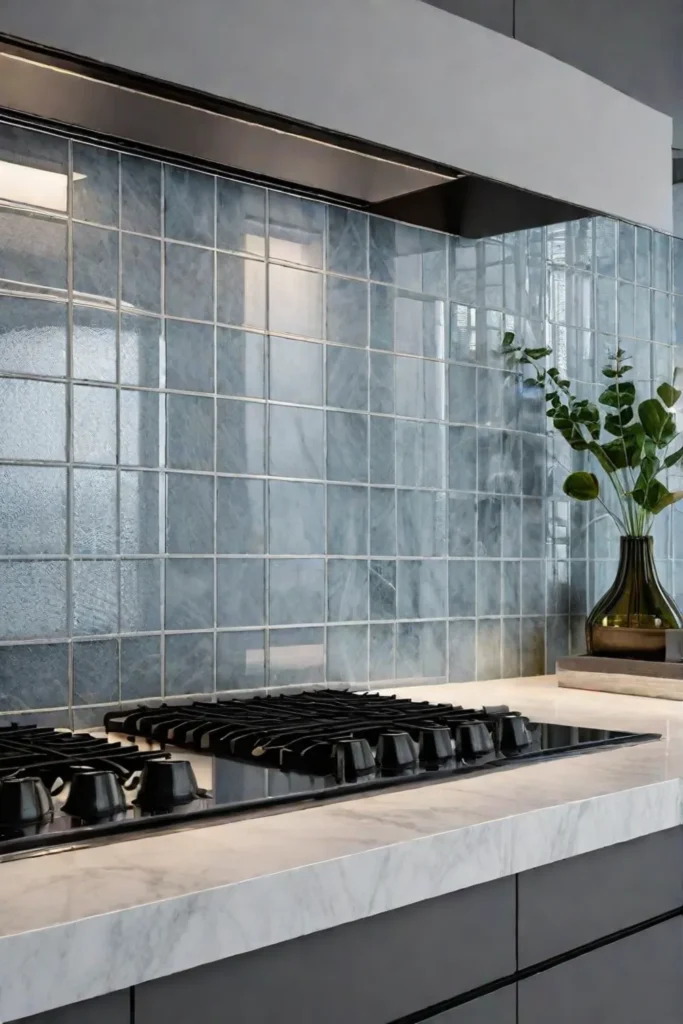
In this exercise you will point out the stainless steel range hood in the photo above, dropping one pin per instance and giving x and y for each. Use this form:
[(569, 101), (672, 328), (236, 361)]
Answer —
[(394, 105)]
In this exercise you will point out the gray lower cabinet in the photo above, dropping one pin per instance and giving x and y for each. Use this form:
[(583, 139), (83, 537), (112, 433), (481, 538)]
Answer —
[(577, 901), (110, 1009), (369, 972), (497, 1008), (631, 981)]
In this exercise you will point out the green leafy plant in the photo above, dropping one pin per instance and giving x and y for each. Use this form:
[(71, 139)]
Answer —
[(629, 442)]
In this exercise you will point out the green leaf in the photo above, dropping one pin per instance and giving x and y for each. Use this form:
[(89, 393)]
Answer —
[(649, 494), (670, 498), (617, 396), (615, 422), (508, 339), (672, 459), (582, 486), (659, 425), (668, 394), (620, 453), (537, 353)]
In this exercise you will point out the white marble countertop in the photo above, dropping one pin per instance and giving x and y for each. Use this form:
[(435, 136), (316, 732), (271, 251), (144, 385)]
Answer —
[(80, 923)]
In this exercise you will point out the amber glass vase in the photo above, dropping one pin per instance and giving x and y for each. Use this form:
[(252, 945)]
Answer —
[(631, 620)]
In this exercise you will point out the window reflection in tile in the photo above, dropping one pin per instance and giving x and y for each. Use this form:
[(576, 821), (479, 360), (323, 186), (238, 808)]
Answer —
[(241, 217), (139, 428), (140, 339), (240, 659), (241, 363), (295, 301), (94, 343), (33, 250), (139, 512), (347, 654), (42, 152), (33, 336), (241, 291), (296, 230), (95, 184), (296, 656)]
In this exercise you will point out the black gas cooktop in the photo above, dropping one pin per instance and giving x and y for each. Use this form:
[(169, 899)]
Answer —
[(168, 765)]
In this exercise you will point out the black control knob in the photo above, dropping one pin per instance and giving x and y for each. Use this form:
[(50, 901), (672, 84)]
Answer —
[(167, 784), (396, 751), (24, 802), (473, 739), (94, 795), (514, 734), (435, 743), (353, 758)]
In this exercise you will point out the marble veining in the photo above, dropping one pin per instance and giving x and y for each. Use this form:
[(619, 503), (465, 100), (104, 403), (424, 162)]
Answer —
[(121, 913)]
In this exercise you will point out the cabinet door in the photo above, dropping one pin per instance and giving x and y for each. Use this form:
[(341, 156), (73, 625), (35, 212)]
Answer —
[(111, 1009), (497, 1008), (632, 981)]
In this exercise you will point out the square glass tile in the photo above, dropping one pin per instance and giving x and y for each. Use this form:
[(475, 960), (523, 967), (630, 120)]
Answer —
[(347, 590), (189, 205), (295, 301), (347, 654), (141, 595), (347, 242), (241, 363), (240, 592), (240, 291), (240, 443), (297, 587), (189, 664), (189, 516), (296, 230), (382, 521), (189, 282), (33, 336), (140, 273), (33, 250), (296, 371), (94, 343), (140, 341), (96, 263), (347, 446), (32, 510), (94, 424), (190, 432), (95, 518), (296, 442), (382, 580), (240, 660), (27, 406), (189, 593), (240, 520), (39, 151), (46, 665), (347, 312), (95, 184), (34, 600), (347, 520), (140, 195), (347, 378), (297, 656), (139, 425), (241, 216), (140, 667), (297, 518), (95, 597), (96, 672), (189, 356)]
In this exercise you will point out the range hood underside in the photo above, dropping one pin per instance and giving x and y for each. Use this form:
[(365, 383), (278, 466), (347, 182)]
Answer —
[(150, 115)]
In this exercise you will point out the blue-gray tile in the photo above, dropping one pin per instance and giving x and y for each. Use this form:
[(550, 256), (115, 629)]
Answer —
[(32, 510), (421, 650), (96, 672), (490, 391), (462, 458), (643, 256), (347, 378), (382, 521), (297, 587), (34, 599), (462, 394), (33, 336), (422, 523), (533, 587), (95, 520), (420, 454), (381, 382), (94, 424), (96, 263), (189, 504), (189, 356), (33, 250), (347, 654), (347, 520), (605, 246), (140, 340), (661, 317), (533, 465), (489, 527), (382, 651), (139, 512), (420, 389), (297, 518), (626, 309), (140, 667), (240, 592), (382, 589), (382, 450), (406, 323), (95, 598), (347, 590), (27, 405), (189, 664), (488, 587), (347, 242), (533, 646), (46, 665), (240, 520), (240, 291), (94, 343), (627, 251), (296, 442), (296, 371), (465, 254), (189, 282), (240, 660), (140, 195), (141, 595), (296, 229), (295, 301), (240, 429), (511, 600), (489, 453), (240, 217), (512, 653), (462, 650), (644, 316), (462, 525), (139, 428), (347, 312), (190, 432), (347, 446), (422, 589), (189, 593), (557, 587), (141, 273), (533, 528), (44, 152), (95, 184), (241, 363), (661, 261), (296, 656), (462, 588), (407, 256), (489, 638), (189, 205), (605, 305)]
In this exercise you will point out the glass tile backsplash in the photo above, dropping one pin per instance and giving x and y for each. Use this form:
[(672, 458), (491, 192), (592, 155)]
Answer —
[(249, 439)]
